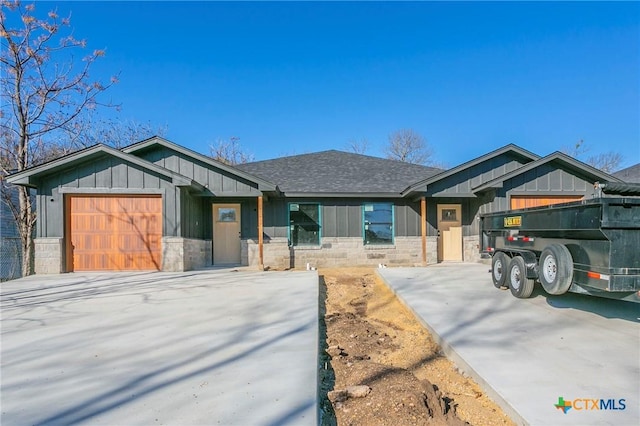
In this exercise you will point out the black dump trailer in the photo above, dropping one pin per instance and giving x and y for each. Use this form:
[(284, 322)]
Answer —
[(590, 246)]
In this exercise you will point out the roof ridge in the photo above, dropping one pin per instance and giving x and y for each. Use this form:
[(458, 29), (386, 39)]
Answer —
[(403, 163)]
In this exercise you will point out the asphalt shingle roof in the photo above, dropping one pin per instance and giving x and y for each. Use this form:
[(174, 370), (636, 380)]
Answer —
[(630, 174), (338, 172)]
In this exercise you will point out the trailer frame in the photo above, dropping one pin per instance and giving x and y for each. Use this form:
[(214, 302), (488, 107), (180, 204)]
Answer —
[(589, 246)]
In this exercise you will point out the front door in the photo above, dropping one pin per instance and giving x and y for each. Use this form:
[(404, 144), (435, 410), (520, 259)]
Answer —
[(226, 234), (449, 232)]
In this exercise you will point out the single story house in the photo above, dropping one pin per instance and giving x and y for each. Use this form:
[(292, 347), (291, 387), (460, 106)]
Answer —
[(156, 205)]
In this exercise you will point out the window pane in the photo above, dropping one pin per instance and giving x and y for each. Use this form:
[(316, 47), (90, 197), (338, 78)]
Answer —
[(305, 234), (226, 215), (378, 234), (378, 223), (449, 215), (304, 220), (311, 211)]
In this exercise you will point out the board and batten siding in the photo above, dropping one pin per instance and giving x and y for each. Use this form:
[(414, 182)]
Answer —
[(544, 180), (218, 181), (196, 216), (340, 218), (465, 180), (105, 175), (548, 178)]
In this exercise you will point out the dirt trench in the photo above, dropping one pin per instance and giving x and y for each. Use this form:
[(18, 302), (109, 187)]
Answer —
[(380, 366)]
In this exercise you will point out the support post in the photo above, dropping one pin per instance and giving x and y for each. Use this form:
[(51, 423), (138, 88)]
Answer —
[(423, 223), (260, 232)]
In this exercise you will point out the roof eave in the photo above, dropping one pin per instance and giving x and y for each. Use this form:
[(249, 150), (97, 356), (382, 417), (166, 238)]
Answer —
[(446, 173), (263, 185), (21, 181), (341, 194), (570, 161), (26, 177)]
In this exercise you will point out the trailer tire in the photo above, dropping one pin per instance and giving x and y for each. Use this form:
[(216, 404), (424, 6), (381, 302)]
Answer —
[(499, 265), (520, 286), (555, 269)]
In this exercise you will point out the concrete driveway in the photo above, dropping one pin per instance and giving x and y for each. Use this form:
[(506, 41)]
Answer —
[(201, 347), (528, 353)]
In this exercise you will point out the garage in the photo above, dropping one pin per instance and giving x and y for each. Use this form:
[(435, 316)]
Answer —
[(525, 201), (113, 233)]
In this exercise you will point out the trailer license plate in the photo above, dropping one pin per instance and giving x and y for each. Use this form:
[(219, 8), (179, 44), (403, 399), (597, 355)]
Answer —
[(512, 221)]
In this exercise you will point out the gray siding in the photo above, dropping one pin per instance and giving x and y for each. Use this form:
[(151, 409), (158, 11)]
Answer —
[(194, 216), (549, 180), (340, 218), (470, 209), (275, 218), (248, 216), (464, 181), (107, 175), (407, 219), (218, 181), (541, 181)]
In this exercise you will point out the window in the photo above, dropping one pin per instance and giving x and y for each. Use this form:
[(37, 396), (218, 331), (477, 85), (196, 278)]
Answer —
[(378, 223), (449, 215), (226, 214), (304, 224)]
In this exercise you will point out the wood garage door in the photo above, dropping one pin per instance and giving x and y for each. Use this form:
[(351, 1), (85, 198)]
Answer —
[(524, 201), (114, 233)]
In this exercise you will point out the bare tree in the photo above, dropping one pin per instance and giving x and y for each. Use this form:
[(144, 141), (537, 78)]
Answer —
[(44, 90), (608, 162), (230, 152), (116, 132), (358, 146), (579, 149), (408, 146)]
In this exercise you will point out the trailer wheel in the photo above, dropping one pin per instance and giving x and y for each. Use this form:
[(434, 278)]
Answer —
[(499, 269), (520, 286), (556, 269)]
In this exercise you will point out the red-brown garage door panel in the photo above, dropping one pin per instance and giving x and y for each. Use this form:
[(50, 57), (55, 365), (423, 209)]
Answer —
[(114, 233), (525, 201)]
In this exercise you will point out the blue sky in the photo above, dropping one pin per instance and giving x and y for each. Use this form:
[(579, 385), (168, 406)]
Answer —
[(289, 78)]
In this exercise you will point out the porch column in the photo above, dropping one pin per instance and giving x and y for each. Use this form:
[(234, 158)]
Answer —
[(423, 223), (260, 232)]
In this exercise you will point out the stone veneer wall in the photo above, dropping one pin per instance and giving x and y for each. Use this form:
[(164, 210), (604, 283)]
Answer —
[(48, 255), (471, 248), (352, 251), (276, 253), (184, 254), (341, 251)]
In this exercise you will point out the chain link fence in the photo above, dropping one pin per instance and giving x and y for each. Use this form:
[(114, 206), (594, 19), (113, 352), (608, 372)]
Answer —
[(10, 258), (10, 243)]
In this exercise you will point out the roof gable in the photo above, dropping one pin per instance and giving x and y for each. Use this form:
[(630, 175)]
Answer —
[(339, 173), (146, 144), (473, 170), (27, 176), (568, 162)]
